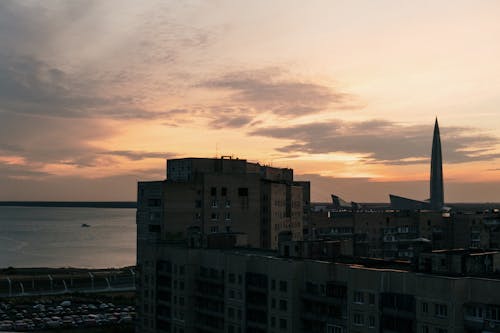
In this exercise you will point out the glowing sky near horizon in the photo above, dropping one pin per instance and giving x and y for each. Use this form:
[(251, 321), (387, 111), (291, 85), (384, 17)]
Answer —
[(94, 95)]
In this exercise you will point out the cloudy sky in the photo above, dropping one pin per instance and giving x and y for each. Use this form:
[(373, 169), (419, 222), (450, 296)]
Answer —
[(95, 95)]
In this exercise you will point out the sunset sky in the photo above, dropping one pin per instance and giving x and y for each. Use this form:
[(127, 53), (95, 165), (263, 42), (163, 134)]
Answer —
[(95, 95)]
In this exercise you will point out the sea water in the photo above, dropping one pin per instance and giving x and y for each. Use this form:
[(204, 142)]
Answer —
[(54, 237)]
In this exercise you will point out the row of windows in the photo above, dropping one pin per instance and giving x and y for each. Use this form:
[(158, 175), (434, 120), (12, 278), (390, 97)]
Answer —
[(440, 310), (279, 226), (427, 329), (242, 191), (283, 305), (216, 216), (282, 323), (491, 313), (232, 278), (359, 298), (283, 285), (215, 229), (359, 320)]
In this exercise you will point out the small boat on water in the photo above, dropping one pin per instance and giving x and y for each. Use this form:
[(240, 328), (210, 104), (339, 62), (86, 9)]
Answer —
[(85, 225)]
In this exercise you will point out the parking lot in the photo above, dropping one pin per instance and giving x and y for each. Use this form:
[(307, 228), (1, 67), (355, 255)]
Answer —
[(56, 314)]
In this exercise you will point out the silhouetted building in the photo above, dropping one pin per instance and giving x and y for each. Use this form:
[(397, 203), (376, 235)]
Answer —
[(222, 196), (436, 201), (436, 186)]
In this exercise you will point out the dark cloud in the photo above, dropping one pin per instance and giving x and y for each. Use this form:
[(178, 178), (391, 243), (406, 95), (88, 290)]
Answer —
[(135, 155), (17, 171), (269, 90), (383, 141)]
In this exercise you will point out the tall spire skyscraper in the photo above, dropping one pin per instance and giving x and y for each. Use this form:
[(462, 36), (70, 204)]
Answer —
[(436, 191)]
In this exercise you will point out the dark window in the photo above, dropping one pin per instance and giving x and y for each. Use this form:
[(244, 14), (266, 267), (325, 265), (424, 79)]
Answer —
[(154, 202), (243, 191), (223, 191), (213, 191), (154, 228), (283, 305), (283, 286), (283, 323), (273, 284), (197, 203), (371, 298)]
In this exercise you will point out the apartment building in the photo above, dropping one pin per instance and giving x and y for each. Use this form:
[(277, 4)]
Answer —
[(223, 196), (403, 234), (239, 289)]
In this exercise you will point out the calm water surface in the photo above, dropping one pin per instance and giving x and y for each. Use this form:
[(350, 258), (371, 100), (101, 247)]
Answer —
[(54, 237)]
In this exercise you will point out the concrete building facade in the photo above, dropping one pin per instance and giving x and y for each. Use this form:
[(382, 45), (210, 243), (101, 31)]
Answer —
[(254, 290), (223, 196)]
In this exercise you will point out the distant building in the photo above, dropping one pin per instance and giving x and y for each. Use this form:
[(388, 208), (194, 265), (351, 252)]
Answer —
[(403, 234), (436, 201)]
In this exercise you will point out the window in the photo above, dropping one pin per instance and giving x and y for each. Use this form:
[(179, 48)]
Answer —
[(283, 286), (425, 307), (273, 284), (243, 191), (214, 229), (371, 298), (231, 278), (273, 303), (223, 191), (197, 203), (215, 204), (197, 216), (283, 324), (213, 191), (154, 228), (493, 313), (371, 321), (230, 312), (154, 202), (425, 329), (227, 216), (359, 297), (231, 293), (334, 329), (273, 321), (440, 310), (358, 319), (283, 305), (440, 330), (214, 216), (228, 203)]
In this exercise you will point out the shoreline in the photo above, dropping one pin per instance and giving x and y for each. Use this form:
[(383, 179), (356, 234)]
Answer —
[(71, 204)]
